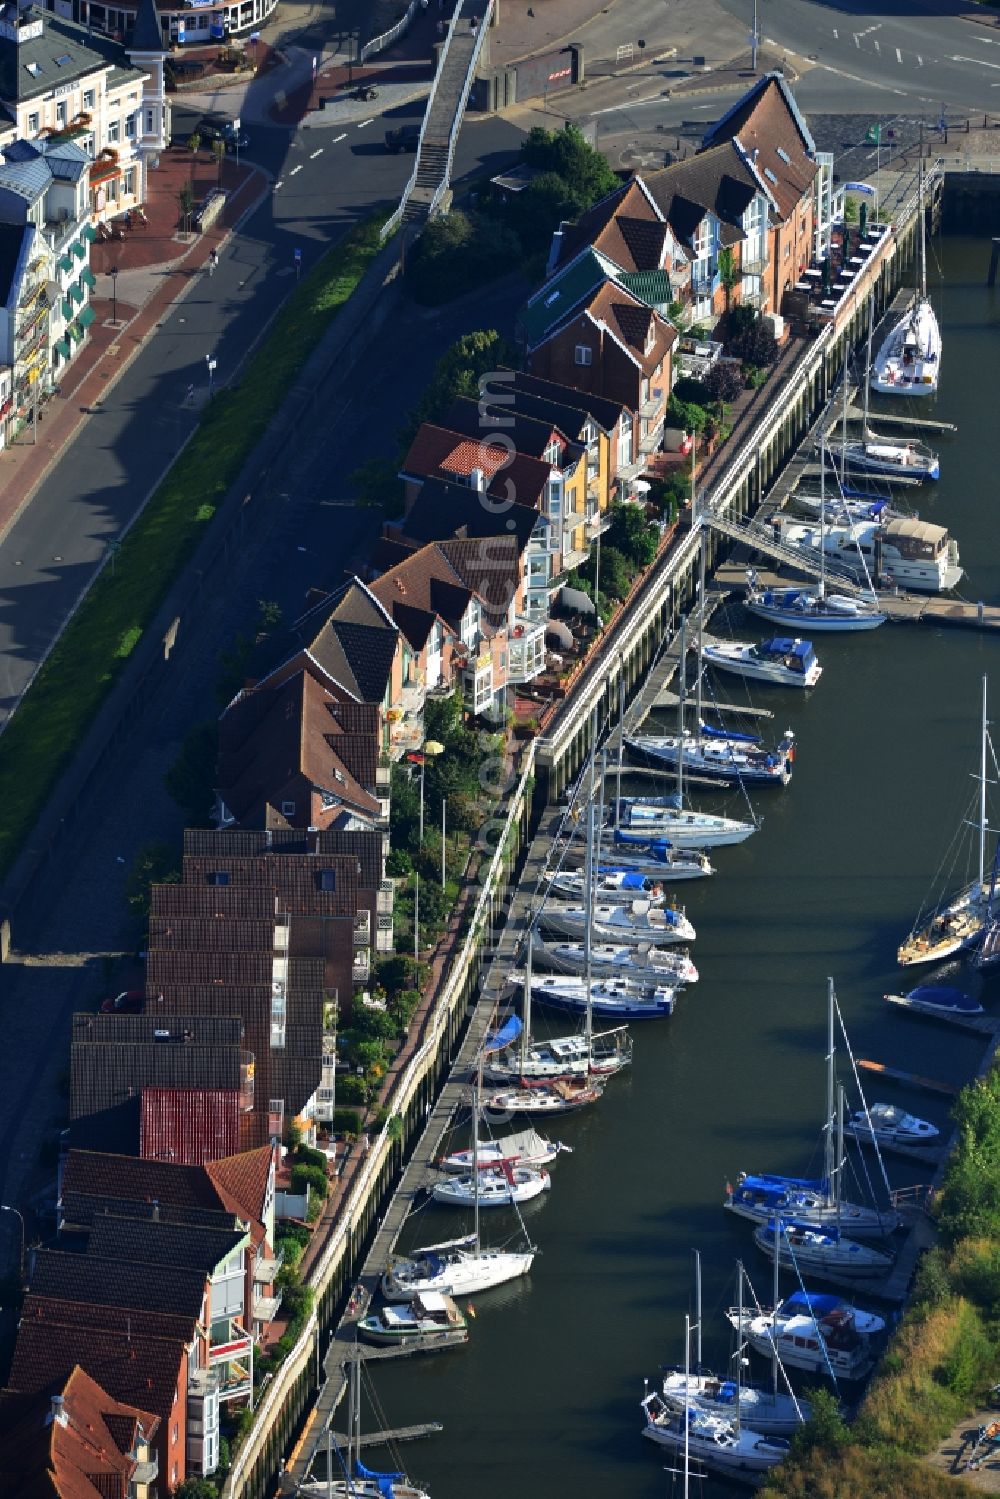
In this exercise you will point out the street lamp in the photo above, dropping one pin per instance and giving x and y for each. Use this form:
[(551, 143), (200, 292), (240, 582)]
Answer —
[(5, 1208), (210, 365), (113, 273), (432, 749)]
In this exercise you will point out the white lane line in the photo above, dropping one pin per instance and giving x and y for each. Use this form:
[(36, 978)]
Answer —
[(899, 55), (978, 62), (313, 155), (900, 93), (363, 123), (280, 183), (294, 170), (990, 42), (920, 61), (857, 40), (875, 44), (836, 34), (337, 138)]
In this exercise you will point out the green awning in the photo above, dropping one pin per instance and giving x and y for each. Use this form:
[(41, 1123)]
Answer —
[(75, 332), (67, 308), (66, 262), (76, 293), (86, 317), (88, 278), (62, 347), (80, 251), (89, 232)]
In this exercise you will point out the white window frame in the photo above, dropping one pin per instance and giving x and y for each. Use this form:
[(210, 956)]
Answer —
[(583, 355)]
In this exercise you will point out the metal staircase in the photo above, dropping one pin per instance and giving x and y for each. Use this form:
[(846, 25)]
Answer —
[(762, 539)]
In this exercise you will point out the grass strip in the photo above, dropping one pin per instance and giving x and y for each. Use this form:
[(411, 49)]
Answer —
[(58, 708)]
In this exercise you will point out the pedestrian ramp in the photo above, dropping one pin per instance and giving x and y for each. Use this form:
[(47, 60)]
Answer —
[(761, 538)]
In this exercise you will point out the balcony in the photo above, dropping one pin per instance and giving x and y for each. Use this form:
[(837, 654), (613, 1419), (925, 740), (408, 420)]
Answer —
[(247, 1069), (237, 1382), (386, 898), (598, 521), (412, 699), (361, 968), (383, 934), (754, 265), (526, 651), (653, 408), (146, 1472), (363, 929), (265, 1308), (266, 1267)]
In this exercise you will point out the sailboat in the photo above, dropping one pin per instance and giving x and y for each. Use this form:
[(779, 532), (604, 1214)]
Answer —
[(721, 1442), (358, 1482), (458, 1267), (909, 361), (618, 887), (873, 454), (770, 1411), (493, 1187), (637, 924), (622, 998), (650, 964), (957, 923), (526, 1148), (657, 862), (820, 1204)]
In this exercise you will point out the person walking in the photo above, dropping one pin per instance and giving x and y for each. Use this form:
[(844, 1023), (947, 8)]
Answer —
[(213, 261)]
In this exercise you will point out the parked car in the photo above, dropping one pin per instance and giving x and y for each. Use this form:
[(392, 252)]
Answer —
[(128, 1002), (218, 127), (403, 138)]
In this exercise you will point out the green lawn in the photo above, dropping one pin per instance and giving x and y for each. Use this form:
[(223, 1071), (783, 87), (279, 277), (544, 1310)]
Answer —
[(60, 705)]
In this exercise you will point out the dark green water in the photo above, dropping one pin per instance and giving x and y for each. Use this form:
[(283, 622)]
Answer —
[(544, 1400)]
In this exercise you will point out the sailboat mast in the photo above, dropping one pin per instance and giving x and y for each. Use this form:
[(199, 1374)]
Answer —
[(868, 361), (843, 428), (822, 502), (476, 1090), (621, 740), (697, 1305), (701, 624), (588, 898), (982, 795), (681, 693), (920, 210), (526, 1002), (828, 1153), (774, 1306), (840, 1144), (687, 1404)]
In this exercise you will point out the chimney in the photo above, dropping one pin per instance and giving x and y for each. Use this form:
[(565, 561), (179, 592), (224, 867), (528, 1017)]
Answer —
[(555, 250), (156, 1211), (477, 480), (57, 1412)]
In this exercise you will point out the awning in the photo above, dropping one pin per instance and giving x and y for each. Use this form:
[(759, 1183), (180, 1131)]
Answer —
[(89, 232), (575, 601), (62, 347), (66, 262), (556, 633), (79, 250), (88, 278), (86, 317), (76, 294), (67, 308), (104, 171)]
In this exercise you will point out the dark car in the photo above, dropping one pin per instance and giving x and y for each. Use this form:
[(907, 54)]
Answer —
[(129, 1002), (404, 138), (217, 127)]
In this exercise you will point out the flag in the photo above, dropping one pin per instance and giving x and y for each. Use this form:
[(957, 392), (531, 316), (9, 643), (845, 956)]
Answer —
[(873, 135), (416, 758), (471, 1310), (729, 1189)]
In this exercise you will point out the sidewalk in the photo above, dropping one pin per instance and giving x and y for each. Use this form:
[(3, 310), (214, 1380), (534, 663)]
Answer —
[(155, 269)]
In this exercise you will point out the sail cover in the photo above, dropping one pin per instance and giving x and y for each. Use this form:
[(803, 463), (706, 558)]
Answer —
[(505, 1036), (713, 733), (383, 1481)]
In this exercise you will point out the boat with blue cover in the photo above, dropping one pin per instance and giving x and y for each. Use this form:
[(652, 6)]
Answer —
[(617, 886), (654, 965), (805, 608), (808, 1200), (782, 660), (822, 1334), (652, 824), (820, 1251), (660, 861), (720, 754), (937, 1000), (637, 923)]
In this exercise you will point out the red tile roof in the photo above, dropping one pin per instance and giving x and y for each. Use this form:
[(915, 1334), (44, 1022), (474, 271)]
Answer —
[(774, 138), (625, 226), (242, 1182), (438, 453), (631, 321), (189, 1125)]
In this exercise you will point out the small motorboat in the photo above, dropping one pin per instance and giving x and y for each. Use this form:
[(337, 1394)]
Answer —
[(937, 1000), (886, 1124), (623, 998), (652, 965), (558, 1097), (821, 1251), (429, 1313), (494, 1188), (783, 661), (616, 886), (528, 1148)]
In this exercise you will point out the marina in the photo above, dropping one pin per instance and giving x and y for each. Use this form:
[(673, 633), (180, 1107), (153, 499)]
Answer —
[(661, 1139)]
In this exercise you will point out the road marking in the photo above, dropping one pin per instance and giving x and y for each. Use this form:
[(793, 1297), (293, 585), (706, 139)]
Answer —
[(337, 138), (899, 55), (280, 183), (901, 93), (875, 44), (989, 41), (836, 34), (363, 123), (294, 170), (920, 61), (857, 39), (978, 62), (314, 154)]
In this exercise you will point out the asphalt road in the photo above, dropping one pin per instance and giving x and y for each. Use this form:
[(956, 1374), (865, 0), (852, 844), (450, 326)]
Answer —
[(50, 555)]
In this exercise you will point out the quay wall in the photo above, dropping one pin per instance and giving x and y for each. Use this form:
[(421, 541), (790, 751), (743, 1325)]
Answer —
[(971, 203)]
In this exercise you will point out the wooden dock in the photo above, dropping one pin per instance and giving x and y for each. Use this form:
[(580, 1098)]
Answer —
[(393, 1435), (911, 1079), (430, 1342), (903, 423)]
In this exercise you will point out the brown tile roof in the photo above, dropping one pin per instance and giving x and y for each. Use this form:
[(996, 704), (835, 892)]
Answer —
[(442, 510), (528, 434), (242, 1183), (113, 1058), (491, 565), (189, 1125), (84, 1453), (605, 412), (102, 1281), (95, 1174), (630, 321), (438, 453), (148, 1241), (767, 123), (422, 588), (625, 226), (135, 1356), (716, 180), (348, 637)]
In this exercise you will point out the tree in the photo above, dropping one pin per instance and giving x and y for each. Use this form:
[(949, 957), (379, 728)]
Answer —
[(458, 252), (458, 373), (196, 1488), (219, 152), (194, 146), (755, 343), (729, 273), (190, 781), (540, 208), (686, 415), (632, 534), (724, 382), (185, 202), (566, 153)]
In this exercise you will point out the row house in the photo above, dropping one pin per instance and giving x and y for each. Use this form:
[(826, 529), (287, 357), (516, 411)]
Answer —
[(585, 329), (293, 755), (460, 605), (77, 1442), (61, 82), (173, 1087)]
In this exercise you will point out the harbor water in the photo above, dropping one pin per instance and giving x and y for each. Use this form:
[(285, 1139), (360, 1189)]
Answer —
[(544, 1400)]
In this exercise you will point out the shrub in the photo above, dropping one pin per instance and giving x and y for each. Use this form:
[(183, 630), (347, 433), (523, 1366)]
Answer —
[(306, 1156), (756, 343), (399, 864), (401, 971), (190, 781), (724, 382), (687, 390), (753, 376), (312, 1177), (632, 535), (457, 252), (293, 1233), (345, 1121), (155, 864), (687, 415), (351, 1089)]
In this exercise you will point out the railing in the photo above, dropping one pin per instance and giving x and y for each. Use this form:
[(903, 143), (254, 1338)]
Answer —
[(379, 43), (392, 224), (456, 125)]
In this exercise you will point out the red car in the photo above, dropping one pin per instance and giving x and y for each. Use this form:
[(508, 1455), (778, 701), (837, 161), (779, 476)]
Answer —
[(129, 1002)]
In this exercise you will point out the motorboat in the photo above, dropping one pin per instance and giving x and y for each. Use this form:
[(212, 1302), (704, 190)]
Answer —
[(822, 1252), (956, 921), (668, 966), (660, 862), (622, 998), (650, 827), (819, 1333), (887, 1124), (782, 661), (637, 924), (719, 755), (458, 1267), (511, 1056), (872, 454), (496, 1188), (428, 1314), (911, 554), (720, 1444), (769, 1412), (615, 886), (527, 1148), (939, 1001), (544, 1099)]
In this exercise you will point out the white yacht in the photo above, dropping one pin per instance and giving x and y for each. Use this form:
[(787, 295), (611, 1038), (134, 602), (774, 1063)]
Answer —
[(819, 1333), (620, 998), (495, 1188), (655, 965), (458, 1267), (645, 822), (914, 554), (527, 1148), (781, 661), (722, 1445), (637, 924), (909, 361), (887, 1124), (659, 862), (619, 887), (763, 1410), (823, 1252), (719, 755)]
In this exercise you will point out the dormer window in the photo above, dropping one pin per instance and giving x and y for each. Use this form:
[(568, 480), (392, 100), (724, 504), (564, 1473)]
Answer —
[(784, 155), (650, 337), (552, 453), (326, 879)]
